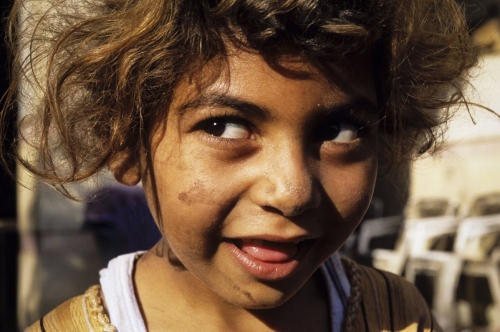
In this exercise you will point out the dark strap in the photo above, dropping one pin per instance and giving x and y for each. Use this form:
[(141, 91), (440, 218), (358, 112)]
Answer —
[(389, 295), (363, 310), (41, 325), (432, 318)]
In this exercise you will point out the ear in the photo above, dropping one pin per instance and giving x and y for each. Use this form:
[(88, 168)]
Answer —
[(126, 168)]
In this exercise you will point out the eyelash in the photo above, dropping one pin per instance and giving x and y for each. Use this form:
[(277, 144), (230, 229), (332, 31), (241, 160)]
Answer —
[(227, 118), (360, 124)]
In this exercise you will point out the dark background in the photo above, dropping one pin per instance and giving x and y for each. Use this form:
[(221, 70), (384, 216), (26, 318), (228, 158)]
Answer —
[(9, 239)]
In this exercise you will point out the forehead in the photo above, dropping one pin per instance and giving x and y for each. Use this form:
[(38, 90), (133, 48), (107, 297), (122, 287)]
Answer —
[(290, 80)]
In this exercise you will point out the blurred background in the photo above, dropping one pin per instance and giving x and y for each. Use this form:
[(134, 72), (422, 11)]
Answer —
[(437, 223)]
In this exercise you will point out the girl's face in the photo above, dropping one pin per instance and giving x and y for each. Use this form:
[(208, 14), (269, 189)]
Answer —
[(260, 177)]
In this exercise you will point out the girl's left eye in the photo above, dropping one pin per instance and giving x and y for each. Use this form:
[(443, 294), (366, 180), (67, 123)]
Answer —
[(227, 129), (341, 132)]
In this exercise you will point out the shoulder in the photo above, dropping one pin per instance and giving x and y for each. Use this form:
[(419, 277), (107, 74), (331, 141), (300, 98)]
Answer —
[(80, 314), (386, 300)]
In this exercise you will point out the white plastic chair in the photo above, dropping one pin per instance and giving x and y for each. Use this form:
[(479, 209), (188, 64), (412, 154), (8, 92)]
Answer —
[(417, 236), (376, 228), (477, 244), (444, 268)]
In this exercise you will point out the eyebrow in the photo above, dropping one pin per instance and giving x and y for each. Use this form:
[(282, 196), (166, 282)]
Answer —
[(359, 103), (225, 101)]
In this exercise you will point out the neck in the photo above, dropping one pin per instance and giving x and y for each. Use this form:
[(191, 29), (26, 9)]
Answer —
[(171, 298)]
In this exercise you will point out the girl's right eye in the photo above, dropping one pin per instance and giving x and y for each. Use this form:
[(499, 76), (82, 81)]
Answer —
[(226, 129)]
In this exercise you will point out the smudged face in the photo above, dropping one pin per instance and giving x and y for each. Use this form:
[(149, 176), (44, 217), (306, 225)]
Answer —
[(260, 177)]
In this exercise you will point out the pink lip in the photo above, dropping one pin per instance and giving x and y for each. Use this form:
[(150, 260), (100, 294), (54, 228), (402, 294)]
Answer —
[(266, 270)]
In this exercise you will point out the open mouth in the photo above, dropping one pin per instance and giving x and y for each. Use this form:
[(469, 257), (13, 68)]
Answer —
[(268, 251), (268, 260)]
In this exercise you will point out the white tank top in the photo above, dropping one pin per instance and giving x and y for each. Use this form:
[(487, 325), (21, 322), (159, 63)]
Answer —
[(124, 313)]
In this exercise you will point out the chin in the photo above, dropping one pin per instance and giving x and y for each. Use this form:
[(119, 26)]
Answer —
[(261, 297), (268, 302)]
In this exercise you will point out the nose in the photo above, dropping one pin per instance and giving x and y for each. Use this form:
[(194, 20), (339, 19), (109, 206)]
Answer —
[(287, 183)]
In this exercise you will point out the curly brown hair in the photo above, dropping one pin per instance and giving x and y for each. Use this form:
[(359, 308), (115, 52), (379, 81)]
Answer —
[(108, 68)]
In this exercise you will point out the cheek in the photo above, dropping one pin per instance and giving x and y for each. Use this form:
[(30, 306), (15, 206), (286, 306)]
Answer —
[(192, 207), (350, 188)]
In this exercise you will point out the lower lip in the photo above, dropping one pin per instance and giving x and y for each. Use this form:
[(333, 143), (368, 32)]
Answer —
[(264, 270)]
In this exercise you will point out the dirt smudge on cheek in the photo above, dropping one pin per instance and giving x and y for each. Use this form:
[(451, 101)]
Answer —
[(196, 194), (184, 197)]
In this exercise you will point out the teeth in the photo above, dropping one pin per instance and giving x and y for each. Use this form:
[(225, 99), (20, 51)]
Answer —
[(296, 242)]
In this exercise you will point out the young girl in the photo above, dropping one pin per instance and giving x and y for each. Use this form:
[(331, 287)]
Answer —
[(256, 128)]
